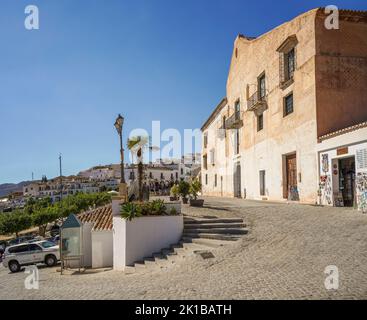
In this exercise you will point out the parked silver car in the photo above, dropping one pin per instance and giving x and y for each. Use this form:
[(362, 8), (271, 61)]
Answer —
[(31, 253)]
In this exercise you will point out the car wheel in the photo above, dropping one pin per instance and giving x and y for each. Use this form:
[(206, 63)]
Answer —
[(50, 260), (14, 266)]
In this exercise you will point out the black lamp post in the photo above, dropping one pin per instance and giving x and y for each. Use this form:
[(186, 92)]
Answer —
[(118, 125)]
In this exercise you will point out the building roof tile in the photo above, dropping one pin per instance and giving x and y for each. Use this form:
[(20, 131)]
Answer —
[(101, 217), (343, 131)]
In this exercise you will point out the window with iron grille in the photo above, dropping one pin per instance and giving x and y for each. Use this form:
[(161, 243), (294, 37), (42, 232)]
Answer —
[(206, 179), (205, 162), (287, 60), (205, 140), (237, 142), (237, 110), (288, 104), (215, 181), (290, 64), (262, 87), (260, 122), (224, 119), (212, 157)]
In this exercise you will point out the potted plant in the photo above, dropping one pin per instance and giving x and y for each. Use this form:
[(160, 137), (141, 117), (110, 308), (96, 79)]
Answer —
[(175, 192), (195, 188), (184, 190)]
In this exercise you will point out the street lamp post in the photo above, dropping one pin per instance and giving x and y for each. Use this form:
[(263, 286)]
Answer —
[(119, 125)]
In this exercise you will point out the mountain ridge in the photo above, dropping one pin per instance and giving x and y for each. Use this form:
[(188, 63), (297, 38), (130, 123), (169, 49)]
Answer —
[(8, 188)]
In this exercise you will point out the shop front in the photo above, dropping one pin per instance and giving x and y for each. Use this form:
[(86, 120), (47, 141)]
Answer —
[(343, 171)]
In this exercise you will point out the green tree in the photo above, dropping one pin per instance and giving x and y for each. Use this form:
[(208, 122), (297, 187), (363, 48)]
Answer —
[(43, 217), (136, 145), (195, 188), (34, 205), (184, 189), (15, 222)]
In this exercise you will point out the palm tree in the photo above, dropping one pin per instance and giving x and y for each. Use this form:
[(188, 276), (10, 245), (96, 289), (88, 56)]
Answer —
[(137, 145)]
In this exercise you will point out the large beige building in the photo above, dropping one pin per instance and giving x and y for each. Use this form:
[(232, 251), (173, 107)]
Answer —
[(285, 90)]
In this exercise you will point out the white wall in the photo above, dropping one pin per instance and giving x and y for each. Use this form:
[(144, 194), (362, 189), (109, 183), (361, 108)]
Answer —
[(87, 244), (140, 238), (102, 249), (119, 243)]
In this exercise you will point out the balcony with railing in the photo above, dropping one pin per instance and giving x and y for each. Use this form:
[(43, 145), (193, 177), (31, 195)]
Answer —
[(256, 102), (235, 121)]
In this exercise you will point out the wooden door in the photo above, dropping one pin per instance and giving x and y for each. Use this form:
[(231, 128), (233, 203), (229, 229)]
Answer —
[(291, 167), (262, 183), (237, 180)]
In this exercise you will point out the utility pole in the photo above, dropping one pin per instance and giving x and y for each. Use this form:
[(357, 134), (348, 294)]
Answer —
[(32, 176), (61, 187)]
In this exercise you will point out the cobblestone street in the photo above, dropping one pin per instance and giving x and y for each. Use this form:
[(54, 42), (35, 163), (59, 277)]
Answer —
[(283, 257)]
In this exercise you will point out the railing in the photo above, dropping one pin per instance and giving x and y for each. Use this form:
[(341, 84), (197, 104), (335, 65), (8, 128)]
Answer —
[(256, 101), (235, 121)]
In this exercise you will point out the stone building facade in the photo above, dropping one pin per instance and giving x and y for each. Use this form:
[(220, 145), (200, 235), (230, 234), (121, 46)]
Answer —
[(285, 89)]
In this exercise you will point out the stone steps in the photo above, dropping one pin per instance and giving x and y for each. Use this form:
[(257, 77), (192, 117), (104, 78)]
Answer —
[(166, 257), (223, 229), (210, 243), (227, 231), (209, 220), (205, 225), (213, 236), (200, 235)]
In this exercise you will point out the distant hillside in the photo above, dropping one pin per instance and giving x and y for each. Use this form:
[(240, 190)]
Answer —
[(7, 188)]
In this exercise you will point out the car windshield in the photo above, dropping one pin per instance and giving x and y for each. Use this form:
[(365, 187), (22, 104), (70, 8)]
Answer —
[(47, 244)]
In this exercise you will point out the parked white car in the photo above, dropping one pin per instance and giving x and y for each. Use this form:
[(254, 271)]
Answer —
[(31, 253)]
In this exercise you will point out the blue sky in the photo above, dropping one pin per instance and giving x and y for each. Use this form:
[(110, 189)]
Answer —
[(61, 87)]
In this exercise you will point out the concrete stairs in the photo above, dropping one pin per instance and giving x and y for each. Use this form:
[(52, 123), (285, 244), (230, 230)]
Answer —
[(214, 229), (167, 257), (200, 235)]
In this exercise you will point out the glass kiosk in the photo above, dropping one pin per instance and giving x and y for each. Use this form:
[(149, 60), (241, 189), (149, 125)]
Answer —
[(71, 244)]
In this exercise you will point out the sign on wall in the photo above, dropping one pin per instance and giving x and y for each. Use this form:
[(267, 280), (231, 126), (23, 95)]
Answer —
[(342, 151)]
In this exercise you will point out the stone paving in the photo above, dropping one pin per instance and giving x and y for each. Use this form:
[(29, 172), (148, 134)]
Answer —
[(283, 257)]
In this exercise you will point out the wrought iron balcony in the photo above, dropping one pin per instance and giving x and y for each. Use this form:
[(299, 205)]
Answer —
[(256, 102), (235, 121)]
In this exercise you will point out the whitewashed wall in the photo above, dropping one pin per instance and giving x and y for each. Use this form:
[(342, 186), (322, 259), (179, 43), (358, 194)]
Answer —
[(140, 238), (87, 244), (102, 249)]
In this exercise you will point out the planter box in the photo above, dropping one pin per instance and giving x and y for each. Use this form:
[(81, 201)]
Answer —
[(196, 203), (140, 238), (176, 205)]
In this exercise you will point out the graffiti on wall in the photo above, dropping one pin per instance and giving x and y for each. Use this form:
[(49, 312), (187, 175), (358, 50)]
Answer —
[(361, 186), (325, 163), (326, 189)]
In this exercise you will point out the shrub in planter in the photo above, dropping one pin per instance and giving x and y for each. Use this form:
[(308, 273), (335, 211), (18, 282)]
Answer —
[(184, 190), (132, 210), (157, 208), (175, 192), (173, 212), (195, 188)]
